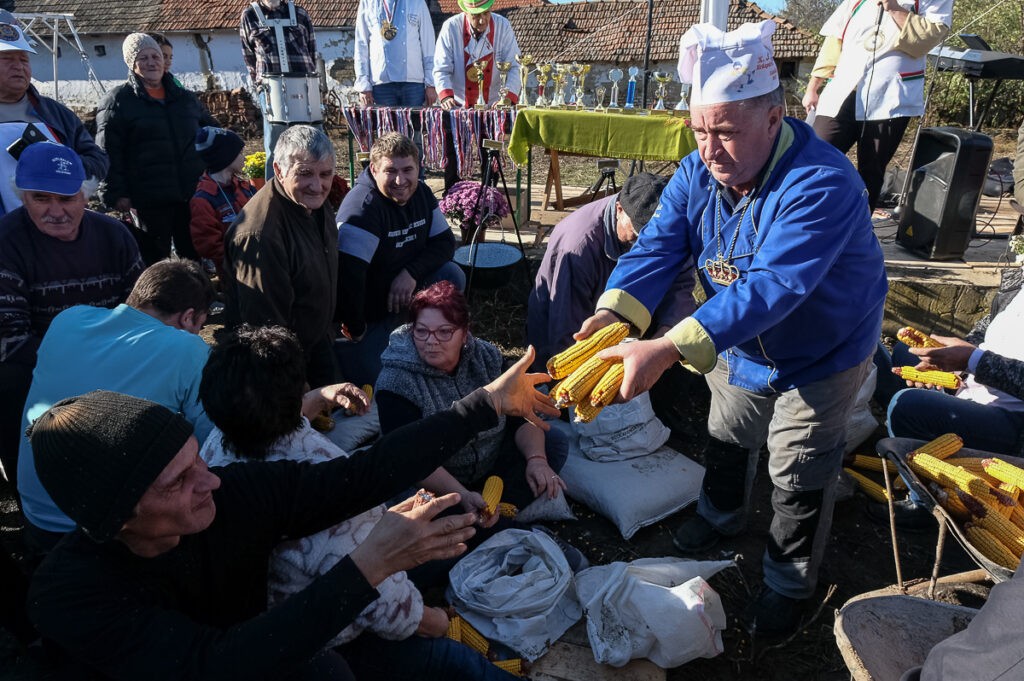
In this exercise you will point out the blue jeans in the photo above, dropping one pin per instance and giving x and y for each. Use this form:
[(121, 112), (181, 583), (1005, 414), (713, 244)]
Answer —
[(417, 659), (359, 361), (399, 94)]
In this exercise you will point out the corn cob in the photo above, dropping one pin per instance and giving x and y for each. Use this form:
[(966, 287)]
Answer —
[(942, 379), (948, 475), (1003, 530), (1017, 517), (915, 339), (567, 361), (608, 387), (587, 412), (868, 486), (322, 422), (990, 546), (493, 487), (942, 447), (873, 463), (474, 639), (950, 501), (1013, 492), (513, 666), (454, 629), (507, 510), (368, 389), (971, 464), (1004, 472), (576, 388)]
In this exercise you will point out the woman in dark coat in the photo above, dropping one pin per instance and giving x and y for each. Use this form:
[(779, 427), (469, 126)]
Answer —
[(148, 127)]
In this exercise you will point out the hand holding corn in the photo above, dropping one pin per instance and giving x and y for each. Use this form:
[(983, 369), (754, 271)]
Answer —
[(940, 379)]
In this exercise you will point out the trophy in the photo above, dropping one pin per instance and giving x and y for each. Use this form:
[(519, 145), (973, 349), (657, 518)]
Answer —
[(542, 80), (478, 75), (662, 78), (503, 68), (575, 91), (525, 61), (631, 87), (613, 100), (684, 92), (559, 77), (583, 79), (600, 90)]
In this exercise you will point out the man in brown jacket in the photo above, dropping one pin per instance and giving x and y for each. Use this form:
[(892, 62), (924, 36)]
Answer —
[(280, 255)]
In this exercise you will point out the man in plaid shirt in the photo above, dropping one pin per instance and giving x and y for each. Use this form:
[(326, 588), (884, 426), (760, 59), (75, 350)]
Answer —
[(262, 56)]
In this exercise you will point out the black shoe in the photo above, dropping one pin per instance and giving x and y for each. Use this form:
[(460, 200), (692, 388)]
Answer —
[(909, 516), (573, 556), (772, 615), (696, 535)]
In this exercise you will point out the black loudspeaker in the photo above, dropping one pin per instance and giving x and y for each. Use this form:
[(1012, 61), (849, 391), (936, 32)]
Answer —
[(949, 169)]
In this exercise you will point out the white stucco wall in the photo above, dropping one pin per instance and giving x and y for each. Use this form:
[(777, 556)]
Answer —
[(192, 65)]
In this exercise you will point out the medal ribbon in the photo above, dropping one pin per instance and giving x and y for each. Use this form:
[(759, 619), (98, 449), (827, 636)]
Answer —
[(389, 13)]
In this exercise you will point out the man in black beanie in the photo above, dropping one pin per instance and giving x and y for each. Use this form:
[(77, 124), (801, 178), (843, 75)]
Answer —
[(166, 575), (579, 258)]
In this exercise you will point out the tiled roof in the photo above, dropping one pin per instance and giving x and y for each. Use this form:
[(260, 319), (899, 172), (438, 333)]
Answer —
[(125, 16), (452, 6), (616, 30)]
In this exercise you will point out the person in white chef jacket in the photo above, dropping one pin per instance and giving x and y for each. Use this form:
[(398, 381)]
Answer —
[(873, 62)]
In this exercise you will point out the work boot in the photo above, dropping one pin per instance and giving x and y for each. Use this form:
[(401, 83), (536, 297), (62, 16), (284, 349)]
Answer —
[(909, 516), (772, 615), (695, 536)]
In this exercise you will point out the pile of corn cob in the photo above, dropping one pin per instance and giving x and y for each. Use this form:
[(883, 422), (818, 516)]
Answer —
[(585, 381), (981, 495), (461, 630)]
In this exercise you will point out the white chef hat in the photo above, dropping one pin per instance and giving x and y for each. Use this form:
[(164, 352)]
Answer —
[(728, 67)]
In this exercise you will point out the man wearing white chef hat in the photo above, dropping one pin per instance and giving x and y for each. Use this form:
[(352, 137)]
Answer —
[(777, 223)]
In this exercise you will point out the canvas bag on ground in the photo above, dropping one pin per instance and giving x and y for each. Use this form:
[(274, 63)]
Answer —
[(661, 609), (516, 588), (622, 431)]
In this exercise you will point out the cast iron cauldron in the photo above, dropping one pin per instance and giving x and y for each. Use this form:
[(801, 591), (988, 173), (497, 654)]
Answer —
[(489, 265)]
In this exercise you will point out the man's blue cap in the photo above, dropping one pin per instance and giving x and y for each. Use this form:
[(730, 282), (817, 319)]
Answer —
[(49, 167)]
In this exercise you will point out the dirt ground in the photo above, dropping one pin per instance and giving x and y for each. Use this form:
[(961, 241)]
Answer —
[(859, 556)]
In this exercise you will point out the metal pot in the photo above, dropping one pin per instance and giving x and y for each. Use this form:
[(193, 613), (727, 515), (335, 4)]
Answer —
[(488, 265)]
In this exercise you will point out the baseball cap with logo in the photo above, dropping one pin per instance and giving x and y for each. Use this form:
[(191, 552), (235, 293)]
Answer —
[(49, 167), (13, 38)]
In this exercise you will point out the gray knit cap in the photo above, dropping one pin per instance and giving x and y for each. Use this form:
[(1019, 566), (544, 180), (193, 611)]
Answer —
[(135, 43)]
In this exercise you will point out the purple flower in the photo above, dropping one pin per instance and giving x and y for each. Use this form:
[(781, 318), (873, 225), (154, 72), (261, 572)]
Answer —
[(460, 204)]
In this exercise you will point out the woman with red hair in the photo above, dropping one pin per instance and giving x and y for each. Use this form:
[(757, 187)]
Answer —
[(435, 360)]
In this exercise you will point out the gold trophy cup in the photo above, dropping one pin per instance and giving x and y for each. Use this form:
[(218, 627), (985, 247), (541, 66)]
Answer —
[(525, 61), (543, 72), (503, 68), (479, 67), (662, 78), (600, 90)]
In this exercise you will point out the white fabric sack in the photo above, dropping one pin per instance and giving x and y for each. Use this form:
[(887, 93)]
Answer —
[(516, 588), (633, 493), (622, 431), (658, 608), (862, 422), (545, 509), (351, 432)]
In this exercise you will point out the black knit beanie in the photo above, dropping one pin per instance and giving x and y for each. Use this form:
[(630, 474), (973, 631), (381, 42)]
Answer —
[(98, 453), (218, 147), (639, 197)]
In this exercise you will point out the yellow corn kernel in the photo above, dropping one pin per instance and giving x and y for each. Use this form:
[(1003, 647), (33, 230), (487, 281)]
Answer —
[(608, 386), (915, 339), (368, 389), (513, 666), (507, 510), (587, 412), (1004, 472), (942, 379), (950, 501), (942, 447), (322, 422), (868, 486), (577, 386), (873, 463), (948, 475), (568, 360), (474, 639), (493, 487), (1017, 517), (990, 546), (454, 629), (1004, 530)]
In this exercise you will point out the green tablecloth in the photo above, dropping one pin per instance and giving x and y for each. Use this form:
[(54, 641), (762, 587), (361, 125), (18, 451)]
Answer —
[(646, 138)]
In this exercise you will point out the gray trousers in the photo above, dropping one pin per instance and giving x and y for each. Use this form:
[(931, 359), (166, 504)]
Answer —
[(805, 429)]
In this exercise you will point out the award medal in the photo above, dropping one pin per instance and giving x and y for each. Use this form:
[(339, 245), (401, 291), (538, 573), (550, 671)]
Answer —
[(874, 39), (387, 27)]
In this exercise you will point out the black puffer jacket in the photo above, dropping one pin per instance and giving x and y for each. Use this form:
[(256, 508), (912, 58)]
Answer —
[(151, 144)]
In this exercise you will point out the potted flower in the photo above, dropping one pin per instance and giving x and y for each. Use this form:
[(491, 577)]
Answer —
[(255, 167), (465, 207), (1016, 246)]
